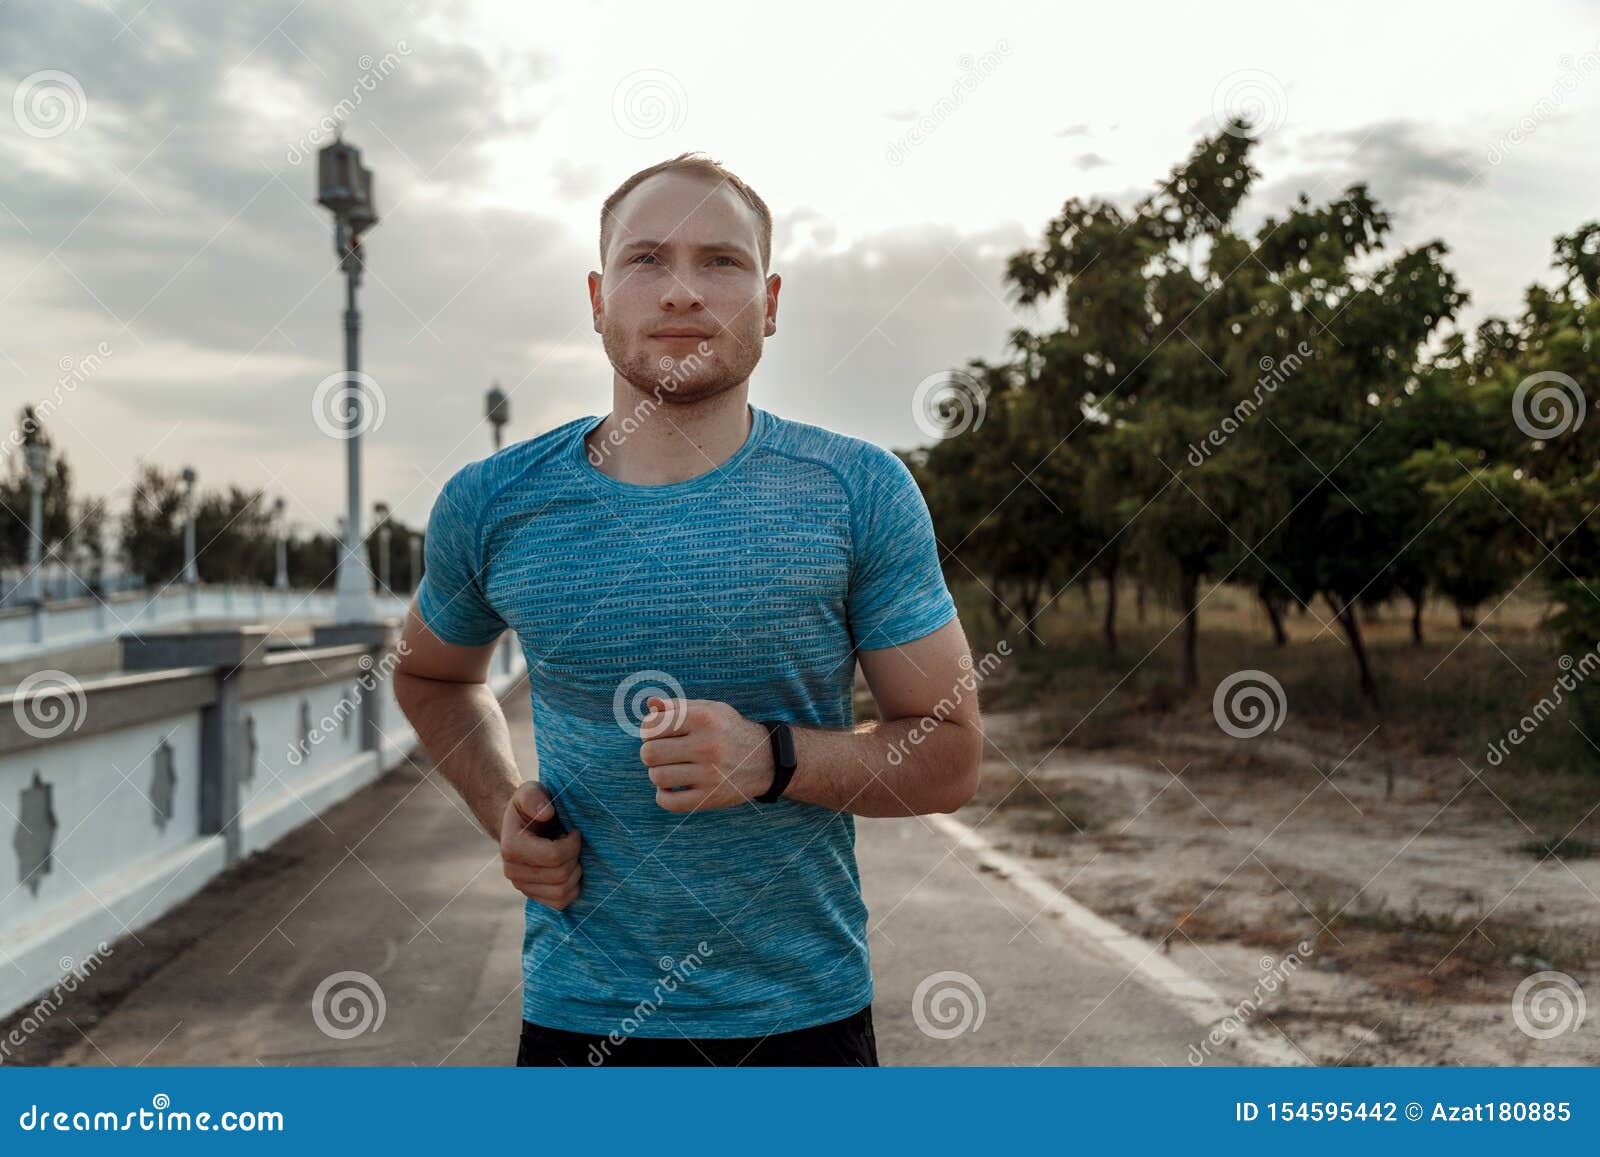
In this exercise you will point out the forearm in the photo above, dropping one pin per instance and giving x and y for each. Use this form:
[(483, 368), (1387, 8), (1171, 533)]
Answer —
[(464, 730), (901, 767)]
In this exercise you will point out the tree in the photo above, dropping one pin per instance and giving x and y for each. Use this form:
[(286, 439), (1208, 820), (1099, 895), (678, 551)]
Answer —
[(1123, 278), (151, 536), (71, 528)]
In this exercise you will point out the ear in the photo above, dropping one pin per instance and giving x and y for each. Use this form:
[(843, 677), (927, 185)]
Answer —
[(596, 299), (774, 284)]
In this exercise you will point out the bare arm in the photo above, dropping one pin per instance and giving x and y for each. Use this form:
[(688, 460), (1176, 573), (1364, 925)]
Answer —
[(443, 690), (922, 757)]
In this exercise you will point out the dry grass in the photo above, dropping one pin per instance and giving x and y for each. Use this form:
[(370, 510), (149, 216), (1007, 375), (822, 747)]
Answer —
[(1443, 703), (1417, 955), (1447, 700)]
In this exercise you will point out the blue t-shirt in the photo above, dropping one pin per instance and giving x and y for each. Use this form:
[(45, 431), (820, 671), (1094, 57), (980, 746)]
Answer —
[(752, 584)]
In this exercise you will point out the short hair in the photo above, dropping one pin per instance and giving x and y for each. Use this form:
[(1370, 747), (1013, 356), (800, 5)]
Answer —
[(701, 165)]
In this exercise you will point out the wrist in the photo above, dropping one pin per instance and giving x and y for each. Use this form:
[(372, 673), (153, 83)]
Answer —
[(754, 773), (780, 758)]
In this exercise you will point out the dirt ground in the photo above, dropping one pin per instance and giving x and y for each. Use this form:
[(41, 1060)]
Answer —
[(1422, 911)]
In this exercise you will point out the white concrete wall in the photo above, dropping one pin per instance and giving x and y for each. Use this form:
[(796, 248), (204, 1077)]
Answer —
[(114, 870)]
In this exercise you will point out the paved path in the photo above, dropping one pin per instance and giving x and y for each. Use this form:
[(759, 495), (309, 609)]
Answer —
[(399, 884)]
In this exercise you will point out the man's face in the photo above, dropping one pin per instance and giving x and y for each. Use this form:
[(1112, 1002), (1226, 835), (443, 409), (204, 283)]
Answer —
[(684, 258)]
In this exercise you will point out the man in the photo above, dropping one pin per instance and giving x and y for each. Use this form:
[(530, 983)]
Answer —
[(690, 578)]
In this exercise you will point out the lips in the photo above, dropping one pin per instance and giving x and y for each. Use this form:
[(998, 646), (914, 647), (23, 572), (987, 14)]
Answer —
[(680, 333)]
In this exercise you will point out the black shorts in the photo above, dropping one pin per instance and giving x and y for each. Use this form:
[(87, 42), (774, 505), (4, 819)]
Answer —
[(841, 1042)]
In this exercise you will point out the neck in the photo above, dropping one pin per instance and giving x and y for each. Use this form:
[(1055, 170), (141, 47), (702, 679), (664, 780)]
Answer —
[(651, 443)]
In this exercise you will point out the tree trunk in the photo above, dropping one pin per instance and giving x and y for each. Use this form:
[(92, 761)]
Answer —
[(1138, 601), (1280, 637), (1111, 604), (997, 607), (1416, 620), (1029, 601), (1467, 617), (1352, 630), (1189, 587)]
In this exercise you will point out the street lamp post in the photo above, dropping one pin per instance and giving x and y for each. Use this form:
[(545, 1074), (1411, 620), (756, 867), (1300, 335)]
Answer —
[(498, 410), (281, 581), (380, 511), (344, 187), (416, 560), (38, 458), (190, 575)]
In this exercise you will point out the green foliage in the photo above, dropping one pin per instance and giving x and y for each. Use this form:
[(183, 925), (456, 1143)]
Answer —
[(71, 528), (1291, 411)]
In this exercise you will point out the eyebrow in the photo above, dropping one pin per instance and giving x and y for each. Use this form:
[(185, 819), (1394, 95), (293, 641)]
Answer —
[(710, 247)]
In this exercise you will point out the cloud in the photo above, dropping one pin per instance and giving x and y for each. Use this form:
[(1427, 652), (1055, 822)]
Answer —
[(575, 181), (1408, 167), (859, 328), (177, 225)]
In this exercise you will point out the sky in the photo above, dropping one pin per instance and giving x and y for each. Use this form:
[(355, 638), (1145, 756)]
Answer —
[(168, 282)]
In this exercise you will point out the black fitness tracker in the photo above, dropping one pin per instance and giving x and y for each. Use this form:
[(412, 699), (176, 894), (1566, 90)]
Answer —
[(783, 762)]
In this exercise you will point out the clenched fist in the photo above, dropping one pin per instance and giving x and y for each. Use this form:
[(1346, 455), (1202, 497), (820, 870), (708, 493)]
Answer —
[(542, 869), (703, 754)]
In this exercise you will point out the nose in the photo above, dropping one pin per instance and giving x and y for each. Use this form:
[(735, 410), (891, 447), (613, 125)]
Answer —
[(679, 296)]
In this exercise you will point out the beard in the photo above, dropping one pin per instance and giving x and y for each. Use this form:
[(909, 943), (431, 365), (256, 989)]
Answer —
[(689, 378)]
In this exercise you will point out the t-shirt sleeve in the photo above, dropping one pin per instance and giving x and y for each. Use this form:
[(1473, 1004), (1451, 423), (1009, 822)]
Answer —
[(897, 589), (450, 597)]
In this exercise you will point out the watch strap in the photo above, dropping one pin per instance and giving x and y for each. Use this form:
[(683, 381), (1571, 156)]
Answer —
[(781, 740)]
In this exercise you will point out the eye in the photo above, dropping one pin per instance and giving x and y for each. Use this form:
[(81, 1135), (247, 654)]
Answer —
[(726, 258), (641, 257)]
